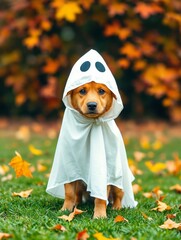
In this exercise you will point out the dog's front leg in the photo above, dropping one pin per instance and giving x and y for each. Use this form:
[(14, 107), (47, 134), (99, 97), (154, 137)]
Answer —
[(99, 208), (69, 201)]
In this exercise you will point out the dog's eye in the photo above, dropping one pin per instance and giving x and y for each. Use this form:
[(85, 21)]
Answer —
[(83, 91), (101, 91)]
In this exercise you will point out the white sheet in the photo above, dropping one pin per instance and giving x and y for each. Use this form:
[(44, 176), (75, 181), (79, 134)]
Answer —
[(88, 149)]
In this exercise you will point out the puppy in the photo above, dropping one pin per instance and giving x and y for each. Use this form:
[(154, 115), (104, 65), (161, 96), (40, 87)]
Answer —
[(92, 100)]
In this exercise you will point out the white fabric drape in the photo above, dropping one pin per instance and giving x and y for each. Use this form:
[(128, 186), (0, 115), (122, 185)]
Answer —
[(91, 150)]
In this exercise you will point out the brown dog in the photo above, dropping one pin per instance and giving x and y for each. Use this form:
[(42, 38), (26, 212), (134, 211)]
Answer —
[(92, 100)]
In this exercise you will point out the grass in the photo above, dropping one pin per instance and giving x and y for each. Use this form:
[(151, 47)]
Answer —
[(32, 218)]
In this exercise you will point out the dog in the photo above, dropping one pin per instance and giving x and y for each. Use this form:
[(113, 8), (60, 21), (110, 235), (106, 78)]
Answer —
[(92, 100), (90, 157)]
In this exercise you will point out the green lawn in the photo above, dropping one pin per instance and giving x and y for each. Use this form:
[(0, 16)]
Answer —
[(32, 218)]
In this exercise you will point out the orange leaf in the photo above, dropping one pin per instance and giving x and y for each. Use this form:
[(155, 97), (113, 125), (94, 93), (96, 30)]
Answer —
[(176, 187), (33, 39), (71, 216), (117, 9), (5, 235), (59, 227), (145, 9), (161, 207), (131, 51), (146, 217), (120, 218), (83, 235), (68, 11), (20, 166), (171, 215), (169, 224), (51, 66), (23, 194)]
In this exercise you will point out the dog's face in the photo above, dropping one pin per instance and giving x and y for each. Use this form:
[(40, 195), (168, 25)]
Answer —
[(92, 99)]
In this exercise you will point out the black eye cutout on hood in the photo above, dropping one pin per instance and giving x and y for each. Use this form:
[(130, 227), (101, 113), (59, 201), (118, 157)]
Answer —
[(85, 66), (100, 67)]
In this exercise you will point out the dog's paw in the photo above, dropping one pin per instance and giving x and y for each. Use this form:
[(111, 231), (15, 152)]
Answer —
[(99, 215), (67, 206)]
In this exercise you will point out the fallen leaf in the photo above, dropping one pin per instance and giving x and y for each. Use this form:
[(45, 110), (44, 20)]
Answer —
[(174, 167), (7, 178), (5, 235), (100, 236), (171, 215), (146, 217), (59, 227), (136, 188), (157, 193), (3, 169), (138, 155), (148, 194), (35, 151), (20, 166), (23, 194), (83, 235), (169, 224), (157, 145), (120, 218), (23, 133), (71, 216), (155, 168), (176, 187), (41, 167), (161, 207)]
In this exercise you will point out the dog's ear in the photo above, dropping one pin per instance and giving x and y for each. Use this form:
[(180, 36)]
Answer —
[(69, 93), (114, 96)]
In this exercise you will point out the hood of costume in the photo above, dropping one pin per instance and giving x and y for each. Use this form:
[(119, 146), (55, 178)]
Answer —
[(91, 150)]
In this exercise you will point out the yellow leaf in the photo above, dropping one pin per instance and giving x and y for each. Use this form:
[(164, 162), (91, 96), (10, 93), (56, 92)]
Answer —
[(155, 168), (68, 11), (145, 142), (3, 169), (23, 194), (169, 224), (157, 145), (100, 236), (35, 151), (20, 166)]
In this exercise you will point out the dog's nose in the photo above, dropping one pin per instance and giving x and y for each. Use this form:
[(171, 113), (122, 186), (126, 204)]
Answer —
[(91, 106)]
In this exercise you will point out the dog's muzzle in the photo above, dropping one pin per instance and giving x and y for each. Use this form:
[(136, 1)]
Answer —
[(92, 106)]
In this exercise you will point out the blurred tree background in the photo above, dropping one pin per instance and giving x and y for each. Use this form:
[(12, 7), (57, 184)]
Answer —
[(40, 40)]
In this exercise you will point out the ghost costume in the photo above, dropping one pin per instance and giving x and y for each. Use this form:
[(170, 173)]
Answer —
[(91, 150)]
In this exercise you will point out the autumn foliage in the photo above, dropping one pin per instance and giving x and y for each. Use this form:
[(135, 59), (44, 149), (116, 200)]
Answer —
[(41, 40)]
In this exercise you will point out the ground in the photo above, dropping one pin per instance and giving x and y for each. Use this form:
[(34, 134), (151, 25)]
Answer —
[(154, 152)]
